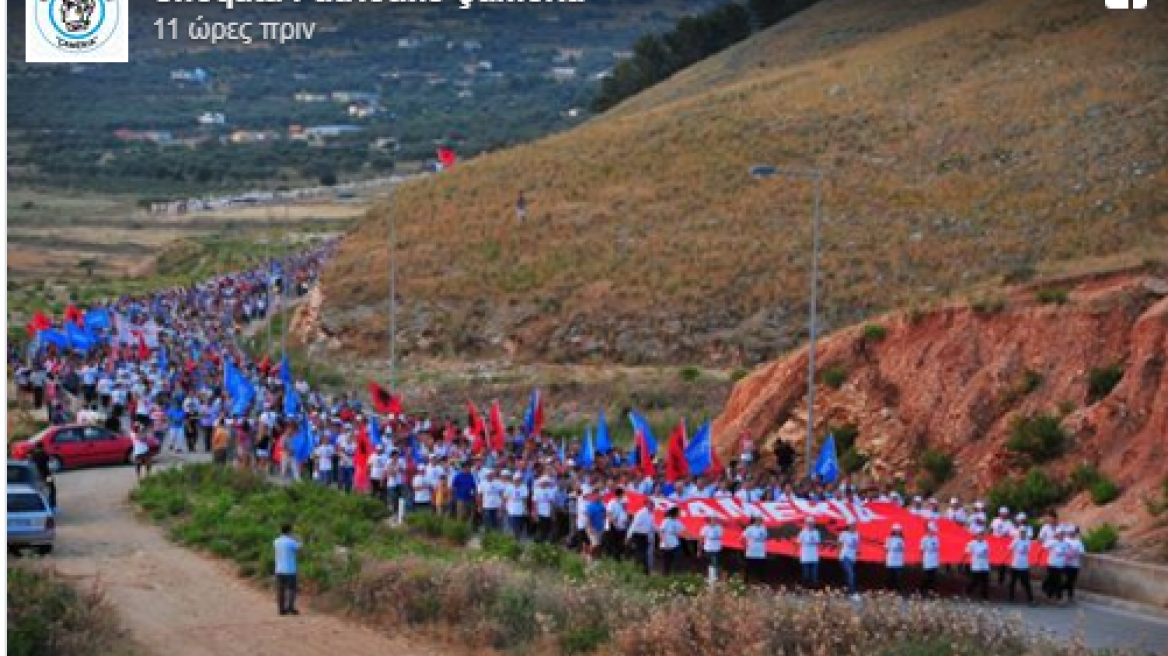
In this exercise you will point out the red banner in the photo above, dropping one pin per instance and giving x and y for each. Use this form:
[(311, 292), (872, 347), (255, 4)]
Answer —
[(874, 523)]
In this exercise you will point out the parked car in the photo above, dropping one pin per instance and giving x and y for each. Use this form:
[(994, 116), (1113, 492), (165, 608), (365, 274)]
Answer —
[(31, 523), (23, 472), (78, 445)]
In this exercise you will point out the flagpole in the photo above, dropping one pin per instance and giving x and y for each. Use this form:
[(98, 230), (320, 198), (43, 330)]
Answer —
[(268, 278), (287, 288), (392, 218)]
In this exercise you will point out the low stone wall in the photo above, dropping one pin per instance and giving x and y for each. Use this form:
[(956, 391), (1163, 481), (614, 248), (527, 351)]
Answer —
[(1143, 583)]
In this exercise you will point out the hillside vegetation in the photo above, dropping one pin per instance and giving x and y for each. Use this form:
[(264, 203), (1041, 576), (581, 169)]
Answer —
[(964, 143)]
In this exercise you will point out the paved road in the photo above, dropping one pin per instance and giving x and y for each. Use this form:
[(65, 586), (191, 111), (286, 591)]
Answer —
[(178, 603)]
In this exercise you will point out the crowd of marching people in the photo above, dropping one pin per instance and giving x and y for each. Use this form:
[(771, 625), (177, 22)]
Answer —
[(168, 366)]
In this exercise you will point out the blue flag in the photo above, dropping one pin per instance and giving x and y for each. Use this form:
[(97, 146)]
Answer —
[(98, 319), (304, 442), (603, 444), (640, 425), (563, 451), (292, 404), (78, 338), (374, 431), (54, 337), (827, 465), (698, 453), (163, 364), (285, 371), (587, 455), (239, 388)]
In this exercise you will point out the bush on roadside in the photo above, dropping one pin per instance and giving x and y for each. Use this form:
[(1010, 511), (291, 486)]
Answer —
[(1101, 380), (1100, 539), (834, 376), (48, 616), (1034, 493)]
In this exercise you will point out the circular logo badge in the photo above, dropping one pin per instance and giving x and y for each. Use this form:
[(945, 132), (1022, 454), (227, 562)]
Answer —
[(76, 26)]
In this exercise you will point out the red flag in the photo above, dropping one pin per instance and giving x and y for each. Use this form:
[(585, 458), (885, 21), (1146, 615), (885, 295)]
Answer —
[(498, 430), (73, 314), (675, 466), (478, 427), (361, 460), (715, 463), (447, 157), (143, 350), (39, 322), (384, 402), (644, 458)]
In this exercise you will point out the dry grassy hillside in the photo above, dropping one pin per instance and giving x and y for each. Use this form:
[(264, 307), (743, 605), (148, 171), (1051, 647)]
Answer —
[(963, 144)]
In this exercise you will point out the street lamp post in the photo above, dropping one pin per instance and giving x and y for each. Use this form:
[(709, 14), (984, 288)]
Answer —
[(765, 171)]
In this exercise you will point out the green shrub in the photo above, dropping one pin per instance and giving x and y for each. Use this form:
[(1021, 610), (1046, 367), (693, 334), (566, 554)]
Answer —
[(875, 332), (1104, 491), (500, 544), (988, 305), (1039, 437), (938, 465), (1101, 380), (845, 436), (1084, 475), (583, 639), (544, 555), (739, 374), (48, 616), (834, 376), (853, 460), (1100, 539), (1052, 296), (1034, 493), (689, 373), (456, 531)]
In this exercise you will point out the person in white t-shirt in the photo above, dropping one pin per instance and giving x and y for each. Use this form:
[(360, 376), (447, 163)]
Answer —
[(543, 499), (809, 540), (1020, 548), (1056, 564), (754, 538), (978, 553), (669, 541), (640, 534), (894, 556), (930, 557), (711, 535), (324, 460), (377, 465), (516, 499), (490, 500), (423, 489), (1074, 560), (616, 524), (849, 549)]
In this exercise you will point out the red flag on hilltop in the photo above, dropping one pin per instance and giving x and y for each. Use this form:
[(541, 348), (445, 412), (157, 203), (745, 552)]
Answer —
[(644, 458), (384, 402), (675, 466), (447, 157), (478, 427), (498, 430)]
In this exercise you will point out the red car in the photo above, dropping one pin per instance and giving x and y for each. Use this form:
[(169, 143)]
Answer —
[(77, 446)]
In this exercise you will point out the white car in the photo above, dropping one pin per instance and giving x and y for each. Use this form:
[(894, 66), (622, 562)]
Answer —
[(31, 522)]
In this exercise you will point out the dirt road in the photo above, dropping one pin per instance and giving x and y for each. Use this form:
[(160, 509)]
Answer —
[(175, 602)]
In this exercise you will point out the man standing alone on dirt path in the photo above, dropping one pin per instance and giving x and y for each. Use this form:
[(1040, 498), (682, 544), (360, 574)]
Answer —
[(287, 548)]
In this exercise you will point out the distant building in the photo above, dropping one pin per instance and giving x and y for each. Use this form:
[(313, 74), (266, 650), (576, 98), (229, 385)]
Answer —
[(563, 73), (319, 135), (409, 42), (355, 96), (253, 136), (471, 45), (308, 97), (621, 55), (212, 118), (194, 76), (161, 137), (564, 55), (365, 109)]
